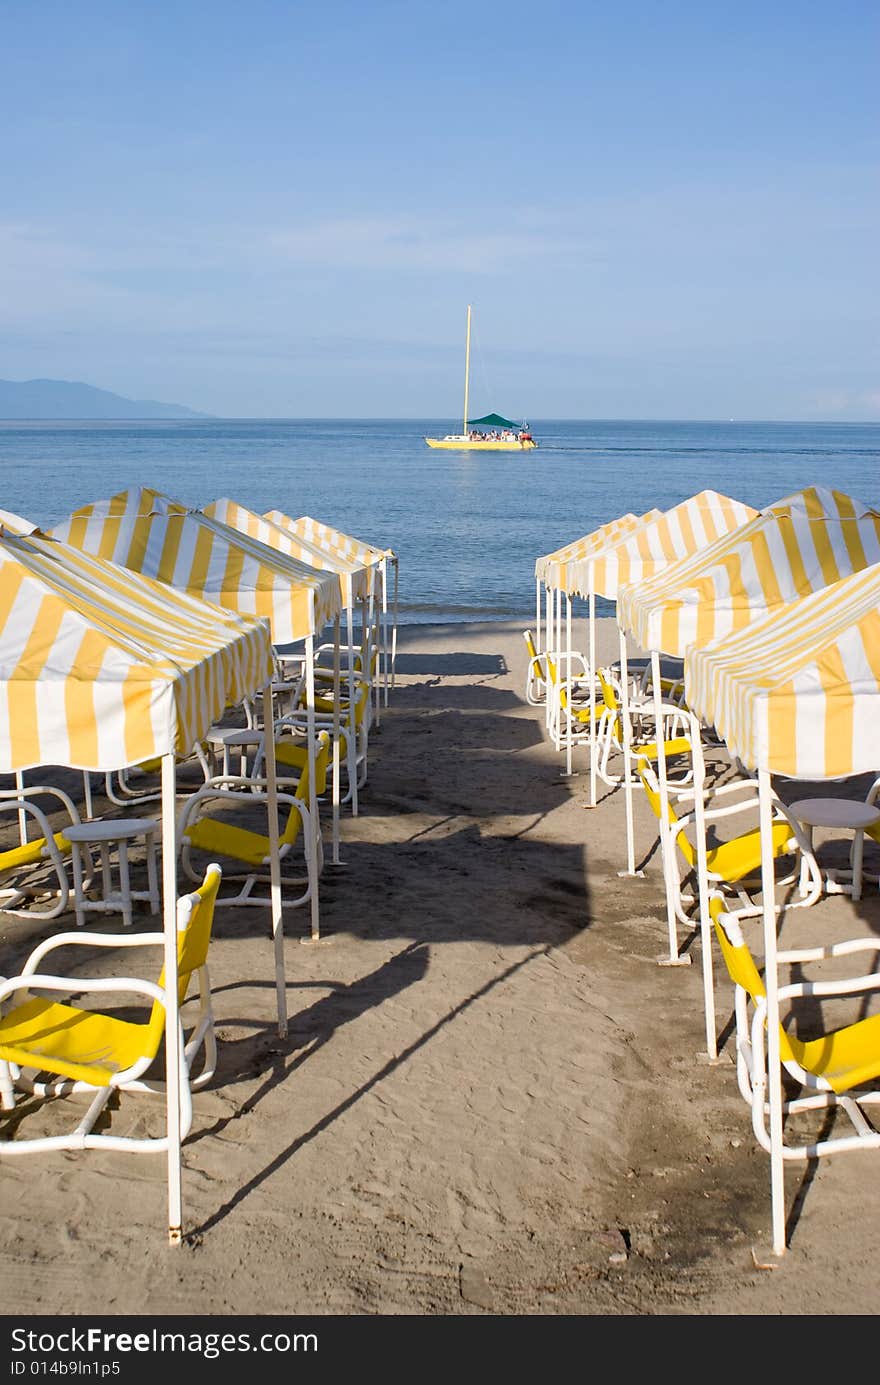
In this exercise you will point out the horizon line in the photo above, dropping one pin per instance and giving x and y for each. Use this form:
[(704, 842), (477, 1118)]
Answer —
[(201, 417)]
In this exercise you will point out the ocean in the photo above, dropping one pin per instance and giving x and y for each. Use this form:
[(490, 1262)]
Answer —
[(466, 528)]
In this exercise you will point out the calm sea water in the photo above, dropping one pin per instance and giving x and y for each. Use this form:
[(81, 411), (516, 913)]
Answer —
[(467, 528)]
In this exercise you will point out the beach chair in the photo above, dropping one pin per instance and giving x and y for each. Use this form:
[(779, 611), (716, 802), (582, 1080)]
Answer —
[(537, 672), (575, 690), (364, 657), (577, 719), (733, 866), (353, 722), (675, 734), (33, 874), (217, 821), (825, 1067), (50, 1049), (134, 784)]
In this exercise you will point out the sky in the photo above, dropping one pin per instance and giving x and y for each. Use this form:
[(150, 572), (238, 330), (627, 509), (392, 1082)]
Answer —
[(657, 209)]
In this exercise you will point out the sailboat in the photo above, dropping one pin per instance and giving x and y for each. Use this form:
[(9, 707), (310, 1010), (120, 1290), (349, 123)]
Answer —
[(492, 432)]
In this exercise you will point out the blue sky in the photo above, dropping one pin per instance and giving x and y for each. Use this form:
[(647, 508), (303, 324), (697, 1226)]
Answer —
[(658, 210)]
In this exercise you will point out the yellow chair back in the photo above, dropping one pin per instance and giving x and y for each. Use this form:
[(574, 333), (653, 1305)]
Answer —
[(744, 973), (609, 693), (301, 792), (192, 953)]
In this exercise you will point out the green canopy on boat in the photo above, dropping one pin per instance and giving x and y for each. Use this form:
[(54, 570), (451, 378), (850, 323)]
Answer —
[(491, 421)]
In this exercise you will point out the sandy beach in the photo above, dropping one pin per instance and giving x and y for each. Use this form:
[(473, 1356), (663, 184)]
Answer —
[(491, 1099)]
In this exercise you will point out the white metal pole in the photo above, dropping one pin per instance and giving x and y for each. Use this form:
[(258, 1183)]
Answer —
[(699, 765), (627, 756), (367, 653), (548, 636), (667, 846), (172, 1008), (592, 656), (337, 679), (569, 717), (22, 815), (379, 572), (557, 653), (274, 858), (315, 826), (394, 625), (771, 987)]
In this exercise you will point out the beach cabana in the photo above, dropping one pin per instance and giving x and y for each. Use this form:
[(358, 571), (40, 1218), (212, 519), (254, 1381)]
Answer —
[(644, 551), (341, 545), (97, 672), (354, 573), (797, 545), (180, 629), (552, 573), (153, 534), (552, 569), (796, 693), (794, 546), (356, 581)]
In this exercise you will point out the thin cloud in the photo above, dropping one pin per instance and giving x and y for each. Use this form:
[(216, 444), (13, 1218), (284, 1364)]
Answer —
[(373, 243)]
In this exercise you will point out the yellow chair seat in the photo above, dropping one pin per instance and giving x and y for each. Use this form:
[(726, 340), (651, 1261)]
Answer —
[(326, 704), (31, 852), (584, 715), (84, 1046), (223, 838), (738, 859), (678, 745), (846, 1058), (294, 756)]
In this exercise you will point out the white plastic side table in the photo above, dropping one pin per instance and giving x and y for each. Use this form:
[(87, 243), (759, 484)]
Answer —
[(105, 834), (228, 740), (846, 814)]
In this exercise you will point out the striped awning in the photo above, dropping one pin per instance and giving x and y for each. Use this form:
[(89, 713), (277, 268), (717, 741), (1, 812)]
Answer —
[(334, 541), (676, 533), (354, 575), (797, 693), (153, 534), (554, 568), (791, 548), (102, 668)]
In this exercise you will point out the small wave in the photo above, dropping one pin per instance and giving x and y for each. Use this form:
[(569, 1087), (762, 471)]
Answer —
[(445, 608)]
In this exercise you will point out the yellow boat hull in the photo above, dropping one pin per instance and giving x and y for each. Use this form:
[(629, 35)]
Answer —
[(491, 445)]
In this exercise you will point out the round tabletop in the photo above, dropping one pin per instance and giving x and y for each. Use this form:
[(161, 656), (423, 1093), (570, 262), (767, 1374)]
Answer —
[(835, 812), (245, 735), (110, 829)]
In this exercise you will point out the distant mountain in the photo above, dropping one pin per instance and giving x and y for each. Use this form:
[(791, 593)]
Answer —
[(72, 399)]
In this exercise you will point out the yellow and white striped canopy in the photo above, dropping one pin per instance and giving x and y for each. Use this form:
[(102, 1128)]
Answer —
[(102, 668), (553, 569), (675, 534), (332, 540), (354, 576), (150, 533), (797, 692), (791, 548)]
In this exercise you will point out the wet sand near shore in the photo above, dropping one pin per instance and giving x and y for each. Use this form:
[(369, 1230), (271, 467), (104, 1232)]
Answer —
[(491, 1098)]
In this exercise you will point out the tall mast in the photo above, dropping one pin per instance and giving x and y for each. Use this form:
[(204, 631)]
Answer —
[(467, 368)]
